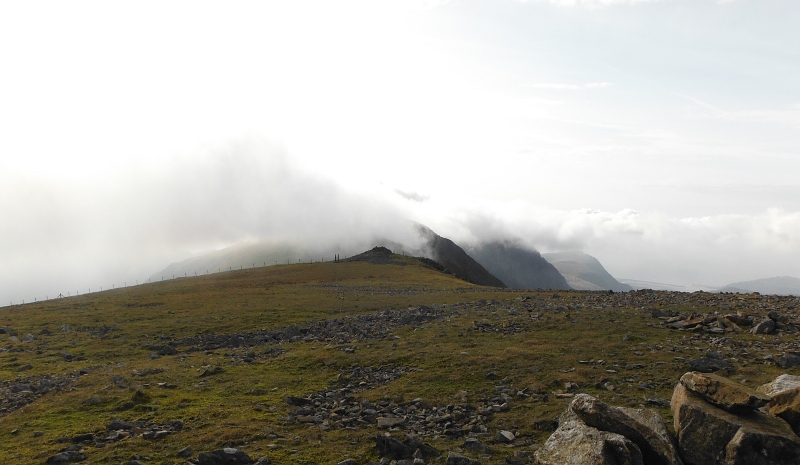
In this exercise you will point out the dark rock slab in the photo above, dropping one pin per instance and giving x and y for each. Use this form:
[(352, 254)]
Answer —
[(708, 435)]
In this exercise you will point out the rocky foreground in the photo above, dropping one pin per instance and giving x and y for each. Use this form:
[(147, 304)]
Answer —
[(650, 339), (718, 422)]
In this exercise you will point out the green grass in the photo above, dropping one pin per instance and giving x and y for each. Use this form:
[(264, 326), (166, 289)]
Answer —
[(447, 355)]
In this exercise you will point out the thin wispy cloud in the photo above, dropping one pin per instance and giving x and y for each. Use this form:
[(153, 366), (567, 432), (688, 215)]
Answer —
[(566, 86)]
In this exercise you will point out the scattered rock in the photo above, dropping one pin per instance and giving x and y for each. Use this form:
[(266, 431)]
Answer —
[(474, 444), (67, 456), (788, 361), (212, 371), (710, 365), (457, 459), (226, 456), (186, 452), (504, 437), (723, 393), (391, 448), (765, 327)]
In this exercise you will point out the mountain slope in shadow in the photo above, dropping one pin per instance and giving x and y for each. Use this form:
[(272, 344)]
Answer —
[(584, 272), (455, 260), (518, 267)]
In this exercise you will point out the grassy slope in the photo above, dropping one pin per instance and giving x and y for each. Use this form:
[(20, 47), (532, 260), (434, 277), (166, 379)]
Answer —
[(220, 410)]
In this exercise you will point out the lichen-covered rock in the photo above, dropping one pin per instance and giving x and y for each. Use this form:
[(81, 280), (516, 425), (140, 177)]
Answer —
[(575, 443), (723, 393), (644, 427), (709, 435), (784, 392)]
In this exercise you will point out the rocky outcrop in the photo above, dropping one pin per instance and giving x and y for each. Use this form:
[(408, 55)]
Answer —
[(575, 443), (718, 422), (643, 427), (784, 393), (592, 432), (723, 392), (710, 435)]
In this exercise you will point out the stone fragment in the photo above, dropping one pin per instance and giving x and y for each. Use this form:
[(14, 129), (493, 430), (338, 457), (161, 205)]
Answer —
[(643, 427), (384, 422), (504, 437), (392, 448), (723, 393), (709, 365), (457, 459), (475, 445), (575, 443), (66, 457), (765, 327), (785, 399), (708, 435), (776, 317), (186, 452), (788, 361), (226, 456), (740, 320)]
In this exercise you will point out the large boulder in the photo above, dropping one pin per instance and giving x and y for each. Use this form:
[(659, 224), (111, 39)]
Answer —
[(644, 427), (709, 435), (723, 393), (784, 392), (575, 443)]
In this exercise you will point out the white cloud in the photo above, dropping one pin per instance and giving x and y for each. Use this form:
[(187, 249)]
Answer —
[(598, 3), (711, 250), (566, 86)]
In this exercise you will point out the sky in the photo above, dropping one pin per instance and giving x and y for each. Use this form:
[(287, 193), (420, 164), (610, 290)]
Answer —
[(660, 136)]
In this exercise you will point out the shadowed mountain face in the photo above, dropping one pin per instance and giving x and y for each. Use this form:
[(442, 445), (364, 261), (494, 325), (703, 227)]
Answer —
[(455, 260), (517, 267), (584, 272), (780, 285)]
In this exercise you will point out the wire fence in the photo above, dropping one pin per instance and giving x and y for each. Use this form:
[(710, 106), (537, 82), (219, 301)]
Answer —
[(168, 277)]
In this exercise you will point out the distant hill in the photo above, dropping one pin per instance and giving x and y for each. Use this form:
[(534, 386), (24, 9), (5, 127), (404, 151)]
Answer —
[(449, 257), (779, 285), (517, 267), (455, 260), (245, 255), (584, 272)]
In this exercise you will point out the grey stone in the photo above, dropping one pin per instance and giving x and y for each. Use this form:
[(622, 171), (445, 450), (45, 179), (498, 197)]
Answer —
[(708, 435), (575, 443), (784, 392), (788, 361), (765, 327), (504, 437), (643, 427), (723, 393), (710, 365), (458, 459), (226, 456), (475, 445)]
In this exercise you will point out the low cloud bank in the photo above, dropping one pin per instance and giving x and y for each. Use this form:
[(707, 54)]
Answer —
[(709, 251), (75, 235)]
